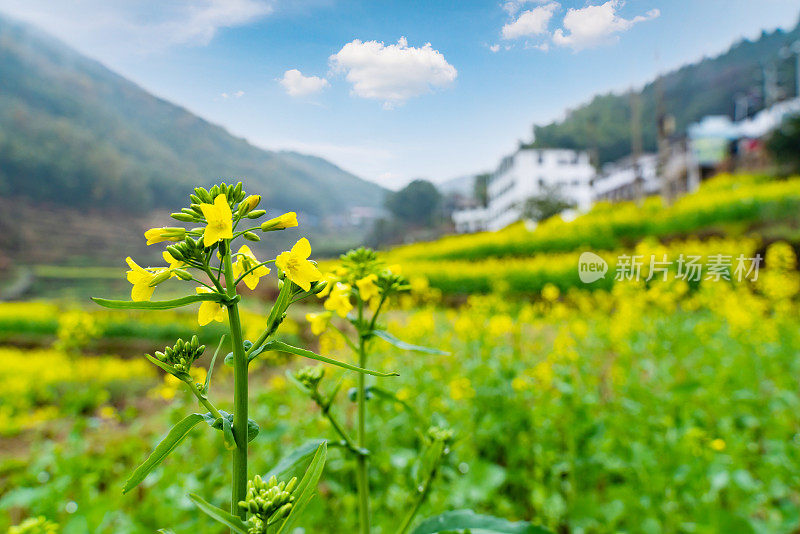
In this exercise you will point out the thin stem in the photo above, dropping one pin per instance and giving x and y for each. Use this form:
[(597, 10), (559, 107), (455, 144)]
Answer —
[(361, 461), (202, 399), (346, 339), (240, 394), (326, 411), (421, 496), (377, 311)]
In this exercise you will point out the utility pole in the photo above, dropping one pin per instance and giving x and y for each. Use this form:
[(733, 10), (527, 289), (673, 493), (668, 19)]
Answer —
[(636, 146)]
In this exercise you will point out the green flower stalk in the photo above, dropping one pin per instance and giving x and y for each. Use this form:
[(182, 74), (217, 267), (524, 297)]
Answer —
[(203, 257)]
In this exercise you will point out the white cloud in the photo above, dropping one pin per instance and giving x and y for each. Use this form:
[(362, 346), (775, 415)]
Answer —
[(236, 94), (298, 85), (110, 29), (392, 73), (494, 48), (596, 25), (513, 6), (531, 22)]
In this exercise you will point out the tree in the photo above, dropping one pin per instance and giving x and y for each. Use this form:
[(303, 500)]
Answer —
[(480, 190), (416, 204), (784, 144), (546, 204)]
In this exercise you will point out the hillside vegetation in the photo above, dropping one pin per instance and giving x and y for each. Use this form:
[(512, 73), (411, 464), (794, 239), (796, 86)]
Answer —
[(708, 87), (72, 132), (730, 214)]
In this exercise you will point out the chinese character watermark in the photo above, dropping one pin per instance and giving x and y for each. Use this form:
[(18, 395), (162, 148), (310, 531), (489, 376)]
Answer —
[(690, 268)]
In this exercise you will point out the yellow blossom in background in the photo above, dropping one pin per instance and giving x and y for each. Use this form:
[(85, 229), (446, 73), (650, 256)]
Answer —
[(219, 220), (339, 300), (519, 383), (277, 382), (717, 444), (141, 278), (296, 265), (209, 310), (245, 261), (550, 293), (287, 220), (461, 388), (330, 280), (318, 321), (367, 288)]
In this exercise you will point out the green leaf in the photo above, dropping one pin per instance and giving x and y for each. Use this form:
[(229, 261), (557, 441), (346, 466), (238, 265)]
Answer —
[(220, 515), (157, 305), (306, 489), (227, 434), (220, 423), (285, 347), (294, 464), (400, 344), (175, 436), (467, 519), (207, 384)]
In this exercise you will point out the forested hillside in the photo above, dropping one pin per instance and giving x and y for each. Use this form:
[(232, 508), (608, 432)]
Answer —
[(72, 132), (708, 87)]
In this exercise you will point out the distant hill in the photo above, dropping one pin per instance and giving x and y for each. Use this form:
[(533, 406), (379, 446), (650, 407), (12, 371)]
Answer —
[(708, 87), (74, 133)]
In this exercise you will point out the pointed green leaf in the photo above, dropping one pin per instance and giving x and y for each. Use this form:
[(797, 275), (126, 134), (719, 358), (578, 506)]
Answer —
[(285, 347), (227, 434), (306, 489), (459, 520), (207, 383), (294, 464), (175, 436), (220, 515), (400, 344), (158, 304)]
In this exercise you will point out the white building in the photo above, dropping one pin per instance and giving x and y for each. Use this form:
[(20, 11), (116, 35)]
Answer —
[(531, 172), (618, 181), (470, 220)]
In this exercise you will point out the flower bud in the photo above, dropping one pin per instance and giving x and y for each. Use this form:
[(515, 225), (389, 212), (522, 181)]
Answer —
[(287, 220), (183, 217), (157, 235), (255, 214), (160, 277), (249, 204), (204, 195), (183, 275), (250, 236)]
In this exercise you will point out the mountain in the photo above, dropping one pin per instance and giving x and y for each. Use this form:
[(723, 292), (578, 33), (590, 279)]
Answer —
[(708, 87), (76, 134)]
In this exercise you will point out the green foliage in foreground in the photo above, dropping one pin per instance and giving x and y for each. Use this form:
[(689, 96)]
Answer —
[(609, 413)]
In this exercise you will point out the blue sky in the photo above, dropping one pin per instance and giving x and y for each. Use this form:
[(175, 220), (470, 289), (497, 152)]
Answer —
[(370, 95)]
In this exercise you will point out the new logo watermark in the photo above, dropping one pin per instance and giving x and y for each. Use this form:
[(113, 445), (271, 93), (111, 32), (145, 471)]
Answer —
[(690, 268), (591, 267)]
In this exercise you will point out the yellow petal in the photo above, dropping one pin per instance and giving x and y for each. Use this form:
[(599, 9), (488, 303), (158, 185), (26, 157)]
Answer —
[(207, 312), (142, 291), (302, 248)]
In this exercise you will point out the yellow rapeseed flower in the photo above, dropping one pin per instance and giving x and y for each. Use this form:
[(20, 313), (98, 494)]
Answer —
[(339, 300), (219, 220), (296, 265), (367, 287), (318, 321), (141, 278), (209, 310), (246, 261), (172, 262), (287, 220), (330, 280)]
